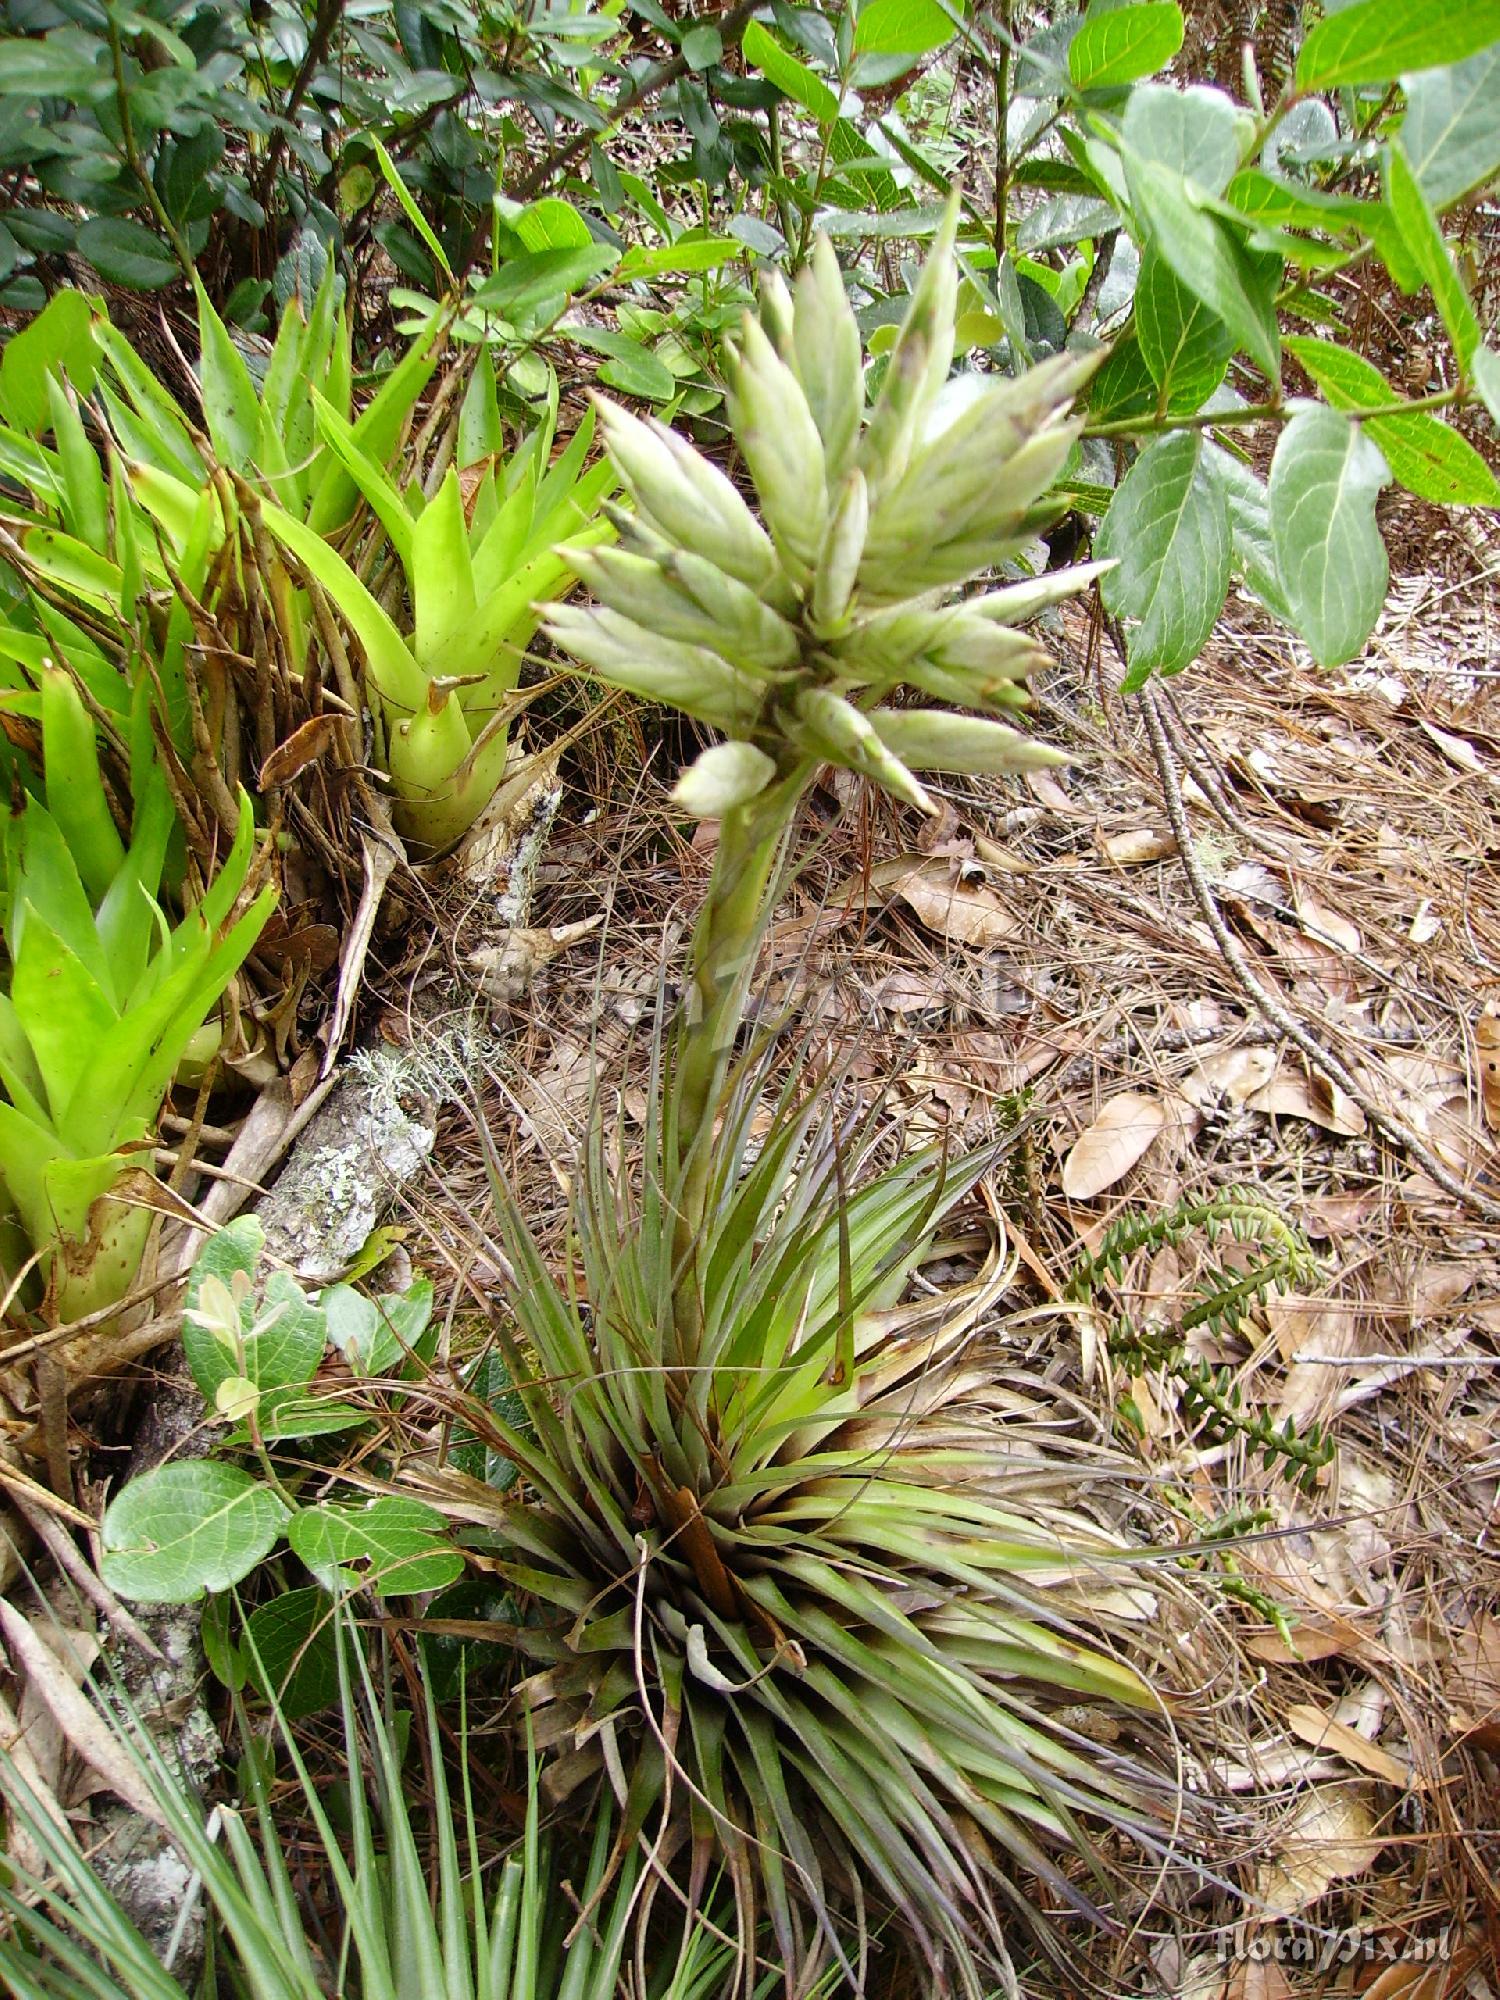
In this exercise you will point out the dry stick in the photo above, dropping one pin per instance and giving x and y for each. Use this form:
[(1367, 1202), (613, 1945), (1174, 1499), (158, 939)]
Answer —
[(1322, 1059), (66, 1555)]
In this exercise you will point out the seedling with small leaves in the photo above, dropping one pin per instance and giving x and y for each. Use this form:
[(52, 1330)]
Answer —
[(255, 1347)]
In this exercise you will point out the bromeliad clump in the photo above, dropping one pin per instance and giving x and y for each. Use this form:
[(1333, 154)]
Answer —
[(799, 1598)]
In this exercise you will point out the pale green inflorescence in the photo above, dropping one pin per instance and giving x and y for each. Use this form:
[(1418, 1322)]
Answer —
[(790, 633)]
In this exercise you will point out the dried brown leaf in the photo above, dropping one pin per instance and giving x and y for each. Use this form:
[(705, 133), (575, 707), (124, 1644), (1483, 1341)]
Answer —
[(953, 907), (1233, 1074), (1327, 1733), (306, 744), (1459, 751), (1292, 1093), (1329, 1837), (1136, 845), (1487, 1041), (76, 1716), (1105, 1151)]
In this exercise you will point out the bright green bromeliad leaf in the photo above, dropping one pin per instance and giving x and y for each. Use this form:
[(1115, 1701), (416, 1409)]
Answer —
[(1426, 455), (1124, 44), (1186, 347), (1378, 40), (1331, 562), (1451, 131), (1168, 529), (186, 1528), (904, 27), (399, 1542), (60, 337)]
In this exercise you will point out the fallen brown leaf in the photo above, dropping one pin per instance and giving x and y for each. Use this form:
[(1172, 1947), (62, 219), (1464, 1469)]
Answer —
[(952, 907), (1137, 844), (1329, 1837), (1459, 751), (75, 1715), (1487, 1040), (1105, 1151), (1326, 1732), (1292, 1093), (1233, 1074)]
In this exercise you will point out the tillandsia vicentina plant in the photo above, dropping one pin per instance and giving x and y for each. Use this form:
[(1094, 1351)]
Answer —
[(791, 636), (795, 1591)]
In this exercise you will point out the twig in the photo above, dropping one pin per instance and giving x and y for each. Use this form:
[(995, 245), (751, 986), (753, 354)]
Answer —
[(69, 1558), (1393, 1129)]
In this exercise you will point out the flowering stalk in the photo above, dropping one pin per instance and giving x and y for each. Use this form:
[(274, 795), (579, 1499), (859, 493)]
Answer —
[(788, 632)]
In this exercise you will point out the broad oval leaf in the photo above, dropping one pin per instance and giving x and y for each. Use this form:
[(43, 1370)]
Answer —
[(1195, 132), (1186, 347), (186, 1528), (1168, 532), (1427, 456), (127, 253), (1330, 560), (1451, 131), (904, 27), (551, 224), (1378, 40), (628, 366), (1123, 45), (290, 1654), (399, 1539)]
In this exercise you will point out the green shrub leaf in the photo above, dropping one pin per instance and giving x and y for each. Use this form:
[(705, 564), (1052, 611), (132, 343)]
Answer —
[(398, 1544), (186, 1528), (1253, 552), (763, 52), (1452, 127), (1423, 238), (1123, 45), (903, 27), (1330, 560), (127, 253), (1427, 456), (1186, 347), (1169, 532), (289, 1652), (1209, 259), (1378, 40)]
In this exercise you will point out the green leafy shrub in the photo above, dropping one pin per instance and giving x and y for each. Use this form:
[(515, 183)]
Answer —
[(254, 1349)]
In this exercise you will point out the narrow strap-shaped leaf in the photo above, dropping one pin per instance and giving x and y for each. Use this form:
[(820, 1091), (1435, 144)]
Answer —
[(442, 579), (75, 792)]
